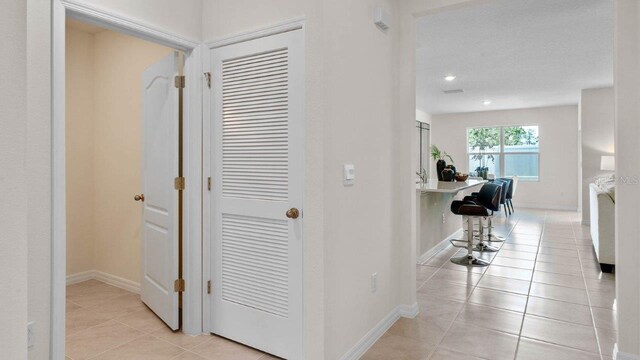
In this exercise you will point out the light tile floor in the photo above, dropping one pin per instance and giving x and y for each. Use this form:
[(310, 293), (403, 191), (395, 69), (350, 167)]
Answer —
[(542, 297), (108, 323)]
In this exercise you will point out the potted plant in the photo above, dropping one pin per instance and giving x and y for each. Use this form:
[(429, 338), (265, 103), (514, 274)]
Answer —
[(483, 139), (483, 169), (439, 156)]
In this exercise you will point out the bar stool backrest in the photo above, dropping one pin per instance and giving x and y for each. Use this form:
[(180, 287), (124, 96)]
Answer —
[(514, 186), (509, 193), (490, 195), (504, 185)]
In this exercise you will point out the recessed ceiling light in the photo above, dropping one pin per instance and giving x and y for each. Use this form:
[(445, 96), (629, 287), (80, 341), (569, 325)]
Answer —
[(450, 77), (487, 102)]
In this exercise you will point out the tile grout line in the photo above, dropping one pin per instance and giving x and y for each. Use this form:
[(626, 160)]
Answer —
[(586, 289), (143, 333), (568, 322), (526, 304), (551, 224), (452, 321), (89, 328), (119, 345), (466, 301), (104, 322)]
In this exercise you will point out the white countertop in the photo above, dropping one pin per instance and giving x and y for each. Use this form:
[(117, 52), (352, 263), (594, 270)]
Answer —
[(435, 186)]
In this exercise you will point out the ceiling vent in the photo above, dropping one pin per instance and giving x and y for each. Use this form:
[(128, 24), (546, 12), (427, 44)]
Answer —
[(454, 91)]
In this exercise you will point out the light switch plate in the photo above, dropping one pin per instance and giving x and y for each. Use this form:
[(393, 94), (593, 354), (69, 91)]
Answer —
[(349, 174)]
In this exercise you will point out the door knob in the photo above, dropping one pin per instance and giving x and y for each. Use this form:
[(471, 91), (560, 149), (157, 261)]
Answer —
[(139, 197), (293, 213)]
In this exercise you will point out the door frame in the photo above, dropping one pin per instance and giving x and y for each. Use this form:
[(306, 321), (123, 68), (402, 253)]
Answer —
[(295, 24), (192, 159)]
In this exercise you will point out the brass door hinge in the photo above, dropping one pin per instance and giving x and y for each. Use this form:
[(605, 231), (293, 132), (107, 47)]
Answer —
[(209, 183), (209, 287), (179, 183), (178, 285), (180, 81), (207, 77)]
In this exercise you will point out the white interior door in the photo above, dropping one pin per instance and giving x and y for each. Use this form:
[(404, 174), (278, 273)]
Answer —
[(257, 171), (159, 169)]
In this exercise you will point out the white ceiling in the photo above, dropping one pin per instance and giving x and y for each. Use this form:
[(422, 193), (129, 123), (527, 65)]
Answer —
[(515, 53)]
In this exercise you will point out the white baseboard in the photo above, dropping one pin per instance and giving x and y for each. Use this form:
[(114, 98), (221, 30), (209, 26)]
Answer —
[(117, 281), (617, 355), (374, 334), (80, 277), (441, 245), (408, 311), (535, 206), (110, 279)]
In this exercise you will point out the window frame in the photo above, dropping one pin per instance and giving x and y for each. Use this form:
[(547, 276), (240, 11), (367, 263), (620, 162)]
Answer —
[(501, 153)]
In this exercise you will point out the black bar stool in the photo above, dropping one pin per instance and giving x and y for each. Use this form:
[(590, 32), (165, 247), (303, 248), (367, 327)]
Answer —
[(491, 237), (508, 194), (483, 206)]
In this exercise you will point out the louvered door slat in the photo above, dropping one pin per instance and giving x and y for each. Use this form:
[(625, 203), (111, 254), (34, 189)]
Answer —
[(255, 57), (239, 245), (255, 122), (252, 117), (256, 60), (248, 94)]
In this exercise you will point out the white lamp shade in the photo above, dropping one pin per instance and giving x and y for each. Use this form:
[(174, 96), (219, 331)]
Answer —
[(608, 163)]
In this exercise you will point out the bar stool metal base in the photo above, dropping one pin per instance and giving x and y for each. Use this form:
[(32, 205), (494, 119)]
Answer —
[(455, 241), (495, 238), (482, 247), (491, 237), (469, 260)]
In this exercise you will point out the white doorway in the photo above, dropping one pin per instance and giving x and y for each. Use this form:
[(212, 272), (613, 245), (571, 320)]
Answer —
[(254, 149), (190, 257), (122, 136)]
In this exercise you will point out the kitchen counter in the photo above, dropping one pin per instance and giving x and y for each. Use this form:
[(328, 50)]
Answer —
[(435, 223), (435, 186)]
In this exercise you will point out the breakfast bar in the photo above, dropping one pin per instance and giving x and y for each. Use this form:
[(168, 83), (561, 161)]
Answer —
[(435, 224)]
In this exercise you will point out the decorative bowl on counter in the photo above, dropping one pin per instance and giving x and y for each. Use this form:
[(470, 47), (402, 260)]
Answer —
[(461, 177)]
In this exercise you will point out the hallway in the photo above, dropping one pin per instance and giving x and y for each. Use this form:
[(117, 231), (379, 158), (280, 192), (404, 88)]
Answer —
[(542, 297)]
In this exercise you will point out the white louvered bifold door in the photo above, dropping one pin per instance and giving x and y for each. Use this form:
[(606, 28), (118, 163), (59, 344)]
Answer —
[(257, 176)]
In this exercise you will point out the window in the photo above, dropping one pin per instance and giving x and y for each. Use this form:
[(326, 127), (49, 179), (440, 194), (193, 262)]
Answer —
[(505, 151), (424, 146)]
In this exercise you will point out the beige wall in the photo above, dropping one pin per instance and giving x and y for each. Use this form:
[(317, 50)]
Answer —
[(13, 181), (104, 137), (119, 63), (597, 113), (80, 153), (558, 184)]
